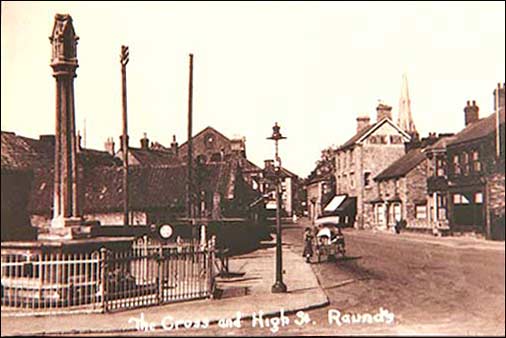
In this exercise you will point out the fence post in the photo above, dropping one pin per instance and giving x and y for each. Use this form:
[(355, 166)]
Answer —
[(210, 265), (103, 278), (160, 262)]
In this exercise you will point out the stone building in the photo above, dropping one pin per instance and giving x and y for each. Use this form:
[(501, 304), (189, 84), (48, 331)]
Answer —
[(476, 177), (371, 150), (402, 191), (290, 187), (320, 188)]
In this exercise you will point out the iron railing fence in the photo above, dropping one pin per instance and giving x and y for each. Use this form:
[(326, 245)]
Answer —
[(149, 273)]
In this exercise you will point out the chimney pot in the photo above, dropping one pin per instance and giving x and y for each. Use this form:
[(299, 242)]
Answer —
[(471, 113), (145, 142)]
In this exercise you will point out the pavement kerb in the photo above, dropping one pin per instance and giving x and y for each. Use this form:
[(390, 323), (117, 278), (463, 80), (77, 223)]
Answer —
[(212, 321)]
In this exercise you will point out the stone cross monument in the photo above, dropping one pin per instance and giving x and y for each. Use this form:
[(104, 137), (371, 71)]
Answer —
[(67, 222)]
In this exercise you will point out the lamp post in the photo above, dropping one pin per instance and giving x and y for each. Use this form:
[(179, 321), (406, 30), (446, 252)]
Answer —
[(279, 286)]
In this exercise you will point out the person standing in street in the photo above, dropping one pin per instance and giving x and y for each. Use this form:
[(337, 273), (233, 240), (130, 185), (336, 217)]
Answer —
[(308, 245)]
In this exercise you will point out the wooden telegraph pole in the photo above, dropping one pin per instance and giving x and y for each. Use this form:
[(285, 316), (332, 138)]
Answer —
[(189, 182), (124, 140)]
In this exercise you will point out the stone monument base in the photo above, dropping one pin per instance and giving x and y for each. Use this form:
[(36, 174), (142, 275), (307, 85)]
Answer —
[(67, 229)]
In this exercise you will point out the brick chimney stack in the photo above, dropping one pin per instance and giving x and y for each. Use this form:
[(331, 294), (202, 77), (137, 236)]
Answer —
[(145, 142), (499, 91), (109, 146), (363, 122), (382, 111), (471, 112), (174, 146)]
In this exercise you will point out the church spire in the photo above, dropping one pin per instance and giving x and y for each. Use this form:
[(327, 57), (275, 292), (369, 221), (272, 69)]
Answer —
[(405, 120)]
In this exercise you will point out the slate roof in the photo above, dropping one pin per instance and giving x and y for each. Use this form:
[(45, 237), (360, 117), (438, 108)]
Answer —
[(478, 129), (403, 165), (357, 136), (149, 187)]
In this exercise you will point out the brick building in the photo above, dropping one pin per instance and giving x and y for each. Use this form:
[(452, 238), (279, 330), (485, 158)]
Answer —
[(437, 184), (476, 177), (371, 150), (211, 146)]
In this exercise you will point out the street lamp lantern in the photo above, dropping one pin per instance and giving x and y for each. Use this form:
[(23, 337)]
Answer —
[(279, 286)]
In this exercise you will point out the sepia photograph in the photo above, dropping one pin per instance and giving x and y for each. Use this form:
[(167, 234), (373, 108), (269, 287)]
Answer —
[(250, 168)]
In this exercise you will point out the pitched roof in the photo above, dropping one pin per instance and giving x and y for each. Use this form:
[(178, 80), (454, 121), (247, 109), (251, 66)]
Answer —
[(19, 152), (149, 187), (368, 130), (440, 144), (479, 129), (208, 128), (403, 165), (154, 157)]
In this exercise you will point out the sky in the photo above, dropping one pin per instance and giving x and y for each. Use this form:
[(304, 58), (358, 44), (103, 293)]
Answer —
[(313, 67)]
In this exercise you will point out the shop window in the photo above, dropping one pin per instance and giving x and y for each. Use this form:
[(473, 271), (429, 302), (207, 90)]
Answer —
[(478, 198)]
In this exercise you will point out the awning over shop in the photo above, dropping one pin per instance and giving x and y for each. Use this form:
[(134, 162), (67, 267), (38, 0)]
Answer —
[(348, 206), (335, 203)]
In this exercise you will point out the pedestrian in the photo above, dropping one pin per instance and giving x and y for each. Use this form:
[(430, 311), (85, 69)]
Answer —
[(308, 244)]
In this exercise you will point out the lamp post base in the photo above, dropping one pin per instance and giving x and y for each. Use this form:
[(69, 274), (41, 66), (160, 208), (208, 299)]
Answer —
[(278, 287)]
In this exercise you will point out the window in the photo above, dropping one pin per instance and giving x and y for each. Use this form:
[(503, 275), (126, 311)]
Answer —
[(465, 163), (441, 205), (460, 199), (421, 212), (456, 165), (351, 158), (345, 181), (367, 179), (395, 212), (380, 214), (440, 166), (478, 198), (216, 157), (476, 161), (352, 180)]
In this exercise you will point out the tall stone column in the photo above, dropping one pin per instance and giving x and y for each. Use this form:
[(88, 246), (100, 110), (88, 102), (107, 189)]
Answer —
[(66, 222)]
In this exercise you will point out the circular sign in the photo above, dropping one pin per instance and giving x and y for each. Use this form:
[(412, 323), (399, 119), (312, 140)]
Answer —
[(166, 231)]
